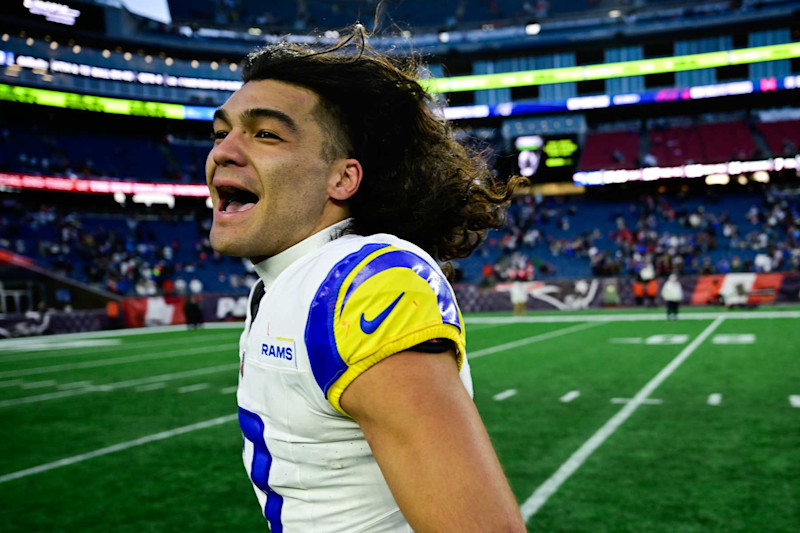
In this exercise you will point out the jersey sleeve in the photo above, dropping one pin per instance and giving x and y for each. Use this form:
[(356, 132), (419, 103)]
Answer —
[(374, 303)]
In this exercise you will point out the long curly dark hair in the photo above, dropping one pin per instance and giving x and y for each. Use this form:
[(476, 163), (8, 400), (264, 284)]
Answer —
[(419, 183)]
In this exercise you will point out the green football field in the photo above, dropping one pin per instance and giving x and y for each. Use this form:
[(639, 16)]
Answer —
[(604, 421)]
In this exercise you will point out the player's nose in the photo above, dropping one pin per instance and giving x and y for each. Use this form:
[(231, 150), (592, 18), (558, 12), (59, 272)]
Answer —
[(229, 150)]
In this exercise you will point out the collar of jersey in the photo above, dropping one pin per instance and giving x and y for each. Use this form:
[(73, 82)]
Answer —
[(269, 269)]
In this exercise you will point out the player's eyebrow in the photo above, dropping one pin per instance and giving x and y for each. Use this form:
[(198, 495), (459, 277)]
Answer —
[(259, 112)]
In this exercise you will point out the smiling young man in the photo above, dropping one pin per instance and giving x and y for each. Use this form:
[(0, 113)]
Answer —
[(331, 172)]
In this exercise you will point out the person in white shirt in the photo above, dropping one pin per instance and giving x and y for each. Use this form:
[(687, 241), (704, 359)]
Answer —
[(672, 293), (331, 172)]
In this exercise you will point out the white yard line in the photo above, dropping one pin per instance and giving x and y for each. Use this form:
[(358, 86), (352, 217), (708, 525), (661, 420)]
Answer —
[(113, 361), (10, 383), (75, 385), (794, 400), (118, 385), (152, 386), (714, 399), (568, 397), (117, 448), (529, 340), (648, 401), (39, 384), (229, 390), (628, 317), (132, 332), (506, 394), (74, 352), (552, 484), (193, 388)]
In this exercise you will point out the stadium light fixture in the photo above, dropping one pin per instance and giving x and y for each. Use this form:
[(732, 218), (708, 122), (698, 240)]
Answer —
[(254, 31), (742, 179), (148, 59), (718, 179), (5, 37), (233, 67), (106, 53), (53, 45), (214, 65), (76, 49), (127, 56), (29, 41), (533, 28), (195, 63), (444, 37), (168, 61), (615, 13), (761, 176)]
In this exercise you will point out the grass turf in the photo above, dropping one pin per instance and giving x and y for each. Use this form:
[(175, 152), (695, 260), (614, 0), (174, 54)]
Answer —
[(681, 465)]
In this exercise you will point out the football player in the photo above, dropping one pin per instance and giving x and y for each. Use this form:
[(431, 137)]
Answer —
[(333, 174)]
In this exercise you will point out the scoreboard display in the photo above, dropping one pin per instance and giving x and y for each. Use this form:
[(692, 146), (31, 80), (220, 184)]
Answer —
[(543, 158)]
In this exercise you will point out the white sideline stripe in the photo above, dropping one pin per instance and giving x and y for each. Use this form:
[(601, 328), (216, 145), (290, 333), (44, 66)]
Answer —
[(74, 385), (714, 399), (193, 388), (549, 487), (45, 344), (500, 396), (657, 317), (794, 400), (38, 384), (229, 390), (112, 361), (10, 383), (152, 386), (125, 332), (626, 340), (649, 401), (568, 397), (117, 448), (74, 352), (529, 340), (119, 384)]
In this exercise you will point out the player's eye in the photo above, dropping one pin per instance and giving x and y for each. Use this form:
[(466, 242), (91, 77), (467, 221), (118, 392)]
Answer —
[(265, 134), (219, 134)]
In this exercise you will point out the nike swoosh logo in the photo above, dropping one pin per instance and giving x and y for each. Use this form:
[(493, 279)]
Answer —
[(369, 326)]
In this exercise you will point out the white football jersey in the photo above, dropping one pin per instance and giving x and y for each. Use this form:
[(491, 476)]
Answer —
[(330, 310)]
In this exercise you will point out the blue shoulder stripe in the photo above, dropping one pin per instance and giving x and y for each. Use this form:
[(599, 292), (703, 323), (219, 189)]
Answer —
[(326, 364)]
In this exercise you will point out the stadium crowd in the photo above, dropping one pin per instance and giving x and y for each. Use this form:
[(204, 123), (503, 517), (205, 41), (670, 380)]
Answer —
[(668, 234), (140, 255)]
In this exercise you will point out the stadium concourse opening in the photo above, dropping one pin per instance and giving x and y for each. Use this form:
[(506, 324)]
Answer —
[(659, 137)]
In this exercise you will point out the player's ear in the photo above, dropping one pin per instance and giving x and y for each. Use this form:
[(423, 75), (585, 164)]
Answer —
[(345, 179)]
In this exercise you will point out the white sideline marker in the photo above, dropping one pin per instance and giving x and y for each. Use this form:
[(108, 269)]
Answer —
[(530, 340), (193, 388), (626, 340), (794, 400), (75, 385), (500, 396), (714, 399), (10, 383), (117, 385), (568, 397), (648, 401), (738, 338), (152, 386), (117, 448), (39, 384), (228, 390), (540, 496)]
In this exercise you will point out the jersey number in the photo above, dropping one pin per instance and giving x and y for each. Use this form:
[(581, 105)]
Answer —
[(253, 432)]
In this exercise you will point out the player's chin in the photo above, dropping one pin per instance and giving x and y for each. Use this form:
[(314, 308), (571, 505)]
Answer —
[(227, 242)]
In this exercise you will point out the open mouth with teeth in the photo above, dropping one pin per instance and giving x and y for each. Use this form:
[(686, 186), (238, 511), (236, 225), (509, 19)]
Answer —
[(233, 200)]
